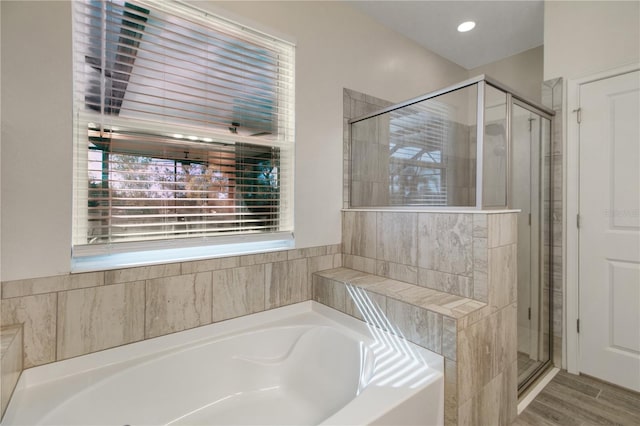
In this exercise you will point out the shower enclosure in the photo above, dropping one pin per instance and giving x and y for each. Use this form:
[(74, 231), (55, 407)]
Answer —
[(475, 145)]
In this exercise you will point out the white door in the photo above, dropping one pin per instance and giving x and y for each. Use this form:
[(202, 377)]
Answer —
[(609, 232)]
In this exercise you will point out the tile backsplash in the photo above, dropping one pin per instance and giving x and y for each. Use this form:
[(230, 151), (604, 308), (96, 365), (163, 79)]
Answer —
[(38, 315), (92, 319), (70, 315)]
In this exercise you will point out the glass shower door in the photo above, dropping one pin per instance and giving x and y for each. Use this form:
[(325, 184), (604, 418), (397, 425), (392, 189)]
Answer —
[(530, 184)]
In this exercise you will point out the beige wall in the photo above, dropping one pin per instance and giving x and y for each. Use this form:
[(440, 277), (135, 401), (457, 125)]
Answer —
[(521, 72), (36, 138), (1, 141), (586, 37), (581, 38), (337, 47)]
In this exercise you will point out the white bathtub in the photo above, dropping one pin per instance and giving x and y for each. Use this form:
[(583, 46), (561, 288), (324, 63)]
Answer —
[(304, 364)]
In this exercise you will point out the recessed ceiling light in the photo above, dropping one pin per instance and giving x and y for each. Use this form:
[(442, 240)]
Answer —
[(466, 26), (178, 136)]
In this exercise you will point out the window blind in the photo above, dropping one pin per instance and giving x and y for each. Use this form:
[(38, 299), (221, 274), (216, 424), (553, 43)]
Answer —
[(417, 163), (184, 125)]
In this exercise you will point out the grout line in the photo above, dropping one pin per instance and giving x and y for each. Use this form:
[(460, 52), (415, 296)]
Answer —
[(55, 352), (542, 383), (144, 310)]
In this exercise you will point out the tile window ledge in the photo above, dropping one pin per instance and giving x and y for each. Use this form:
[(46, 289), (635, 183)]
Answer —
[(129, 259)]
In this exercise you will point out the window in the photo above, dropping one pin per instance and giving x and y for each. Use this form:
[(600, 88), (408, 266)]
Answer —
[(183, 129), (417, 167)]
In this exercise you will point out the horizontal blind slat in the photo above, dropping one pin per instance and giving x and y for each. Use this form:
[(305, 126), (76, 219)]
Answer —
[(150, 63)]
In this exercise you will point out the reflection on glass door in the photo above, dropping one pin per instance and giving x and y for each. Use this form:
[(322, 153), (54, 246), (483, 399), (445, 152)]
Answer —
[(530, 190)]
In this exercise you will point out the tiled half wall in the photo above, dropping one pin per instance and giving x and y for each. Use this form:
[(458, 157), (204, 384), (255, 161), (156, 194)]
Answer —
[(446, 281), (70, 315)]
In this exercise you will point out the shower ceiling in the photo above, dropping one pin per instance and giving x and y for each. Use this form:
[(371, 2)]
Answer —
[(503, 28)]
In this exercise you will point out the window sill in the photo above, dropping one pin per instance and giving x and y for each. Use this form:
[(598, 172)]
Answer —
[(108, 260)]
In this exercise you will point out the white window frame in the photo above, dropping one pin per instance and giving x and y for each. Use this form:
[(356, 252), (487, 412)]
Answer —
[(130, 254)]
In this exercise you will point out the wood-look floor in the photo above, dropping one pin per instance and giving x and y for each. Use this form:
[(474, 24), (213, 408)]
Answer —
[(580, 400)]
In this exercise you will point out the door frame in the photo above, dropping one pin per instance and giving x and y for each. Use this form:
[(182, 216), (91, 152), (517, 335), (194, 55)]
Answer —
[(536, 231), (537, 316), (571, 203)]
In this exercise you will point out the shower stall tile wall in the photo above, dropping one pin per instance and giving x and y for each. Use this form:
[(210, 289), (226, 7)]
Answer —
[(552, 97), (443, 251), (445, 244), (476, 146), (355, 104), (70, 315)]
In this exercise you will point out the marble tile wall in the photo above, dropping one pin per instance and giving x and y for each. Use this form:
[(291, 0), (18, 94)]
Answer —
[(38, 315), (442, 251), (446, 243), (552, 97), (92, 319), (238, 291), (461, 164), (396, 238), (72, 315), (476, 335), (370, 172), (356, 104), (421, 326), (177, 303)]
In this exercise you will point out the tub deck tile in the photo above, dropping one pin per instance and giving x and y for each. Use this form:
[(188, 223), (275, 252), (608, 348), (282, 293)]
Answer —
[(447, 304)]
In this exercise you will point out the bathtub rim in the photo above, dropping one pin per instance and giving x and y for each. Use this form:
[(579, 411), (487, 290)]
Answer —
[(123, 356), (152, 347)]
